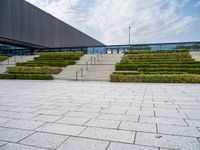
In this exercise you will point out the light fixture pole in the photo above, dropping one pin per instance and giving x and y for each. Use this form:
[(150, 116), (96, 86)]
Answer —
[(129, 35)]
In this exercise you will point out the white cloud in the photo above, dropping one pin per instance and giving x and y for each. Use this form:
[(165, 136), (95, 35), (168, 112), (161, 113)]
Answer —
[(151, 20), (197, 3)]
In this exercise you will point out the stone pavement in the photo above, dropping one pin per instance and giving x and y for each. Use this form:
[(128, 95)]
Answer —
[(62, 115)]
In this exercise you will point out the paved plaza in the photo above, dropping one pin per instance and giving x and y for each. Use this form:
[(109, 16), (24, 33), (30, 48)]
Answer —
[(62, 115)]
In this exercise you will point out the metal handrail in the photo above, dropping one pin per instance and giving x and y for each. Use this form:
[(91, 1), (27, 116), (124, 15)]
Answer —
[(87, 65)]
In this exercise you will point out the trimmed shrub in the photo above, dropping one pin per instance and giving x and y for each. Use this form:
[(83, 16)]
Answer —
[(161, 62), (188, 70), (2, 58), (153, 52), (47, 63), (27, 76), (129, 67), (181, 78), (62, 55), (34, 70), (137, 73)]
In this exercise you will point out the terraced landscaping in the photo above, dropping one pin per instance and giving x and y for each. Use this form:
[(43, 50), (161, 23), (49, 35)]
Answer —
[(4, 57), (157, 66), (43, 66)]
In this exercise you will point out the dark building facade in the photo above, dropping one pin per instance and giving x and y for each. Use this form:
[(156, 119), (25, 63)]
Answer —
[(24, 25)]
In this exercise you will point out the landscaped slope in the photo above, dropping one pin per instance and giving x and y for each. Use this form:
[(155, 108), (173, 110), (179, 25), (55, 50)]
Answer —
[(43, 66), (157, 66)]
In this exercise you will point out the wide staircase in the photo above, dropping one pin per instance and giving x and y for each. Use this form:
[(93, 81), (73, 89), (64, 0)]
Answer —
[(91, 67), (195, 55), (11, 61)]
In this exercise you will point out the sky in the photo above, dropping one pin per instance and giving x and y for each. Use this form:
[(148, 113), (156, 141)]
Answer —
[(151, 21)]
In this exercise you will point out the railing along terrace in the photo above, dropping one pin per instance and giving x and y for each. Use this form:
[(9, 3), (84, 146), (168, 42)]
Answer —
[(193, 46)]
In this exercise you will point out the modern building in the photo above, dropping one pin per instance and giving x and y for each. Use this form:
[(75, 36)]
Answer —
[(23, 25)]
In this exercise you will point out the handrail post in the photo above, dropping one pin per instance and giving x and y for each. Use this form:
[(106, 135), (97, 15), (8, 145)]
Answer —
[(94, 60), (82, 72), (77, 76), (87, 65), (91, 60), (98, 59), (15, 58)]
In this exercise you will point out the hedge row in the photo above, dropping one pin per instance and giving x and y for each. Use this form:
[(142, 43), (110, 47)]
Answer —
[(188, 70), (127, 60), (159, 55), (34, 70), (161, 62), (47, 63), (27, 76), (130, 67), (153, 52), (138, 73), (62, 55), (2, 58), (155, 78)]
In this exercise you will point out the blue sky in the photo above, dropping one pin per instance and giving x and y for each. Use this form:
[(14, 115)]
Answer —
[(152, 21)]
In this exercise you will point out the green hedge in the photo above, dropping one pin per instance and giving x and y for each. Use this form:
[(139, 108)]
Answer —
[(47, 63), (62, 55), (159, 72), (161, 62), (188, 70), (27, 76), (126, 60), (159, 55), (130, 67), (2, 58), (181, 78), (34, 70), (153, 52)]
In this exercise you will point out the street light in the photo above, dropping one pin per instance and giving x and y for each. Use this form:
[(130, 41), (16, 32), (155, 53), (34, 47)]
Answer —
[(129, 35)]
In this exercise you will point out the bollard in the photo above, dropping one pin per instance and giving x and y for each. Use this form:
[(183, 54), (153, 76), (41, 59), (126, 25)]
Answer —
[(82, 72), (86, 65), (91, 60), (98, 57), (76, 76)]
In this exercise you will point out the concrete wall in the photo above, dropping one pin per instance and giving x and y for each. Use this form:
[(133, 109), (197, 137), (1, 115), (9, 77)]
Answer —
[(23, 22)]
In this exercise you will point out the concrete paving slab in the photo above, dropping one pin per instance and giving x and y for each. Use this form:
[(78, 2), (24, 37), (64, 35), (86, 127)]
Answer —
[(167, 141), (136, 126), (109, 134), (13, 146), (44, 140), (123, 146), (13, 135), (75, 143), (61, 129)]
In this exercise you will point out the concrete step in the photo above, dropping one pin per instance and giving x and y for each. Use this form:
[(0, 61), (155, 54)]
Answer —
[(195, 55), (100, 71)]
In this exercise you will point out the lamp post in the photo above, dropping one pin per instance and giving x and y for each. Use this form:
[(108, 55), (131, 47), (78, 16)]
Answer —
[(129, 35)]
